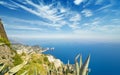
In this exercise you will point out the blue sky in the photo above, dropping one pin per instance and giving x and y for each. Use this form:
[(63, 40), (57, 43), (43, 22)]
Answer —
[(73, 19)]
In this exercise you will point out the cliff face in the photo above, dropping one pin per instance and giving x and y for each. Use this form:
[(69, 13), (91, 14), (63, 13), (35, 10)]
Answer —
[(2, 31), (5, 52), (5, 55)]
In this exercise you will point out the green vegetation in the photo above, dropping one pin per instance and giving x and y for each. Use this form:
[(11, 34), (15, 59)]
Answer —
[(30, 64), (17, 59), (37, 65), (33, 69), (2, 40), (45, 59), (3, 69), (23, 54)]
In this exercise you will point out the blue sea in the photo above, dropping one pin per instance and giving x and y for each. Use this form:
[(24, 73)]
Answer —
[(105, 56)]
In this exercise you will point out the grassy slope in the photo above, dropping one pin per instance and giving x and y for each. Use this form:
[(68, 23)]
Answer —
[(38, 63)]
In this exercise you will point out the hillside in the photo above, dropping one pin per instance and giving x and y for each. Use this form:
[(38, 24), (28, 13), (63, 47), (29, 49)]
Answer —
[(2, 31), (19, 59), (31, 61)]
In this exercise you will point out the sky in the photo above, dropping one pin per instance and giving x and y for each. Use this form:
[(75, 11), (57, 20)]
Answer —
[(66, 19)]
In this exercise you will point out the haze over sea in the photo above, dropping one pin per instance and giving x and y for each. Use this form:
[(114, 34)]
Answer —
[(105, 56)]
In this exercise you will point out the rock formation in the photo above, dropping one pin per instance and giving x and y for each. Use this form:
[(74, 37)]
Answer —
[(2, 31), (5, 52)]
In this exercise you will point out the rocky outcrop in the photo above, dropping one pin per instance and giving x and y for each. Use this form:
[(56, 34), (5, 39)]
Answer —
[(56, 62), (2, 31), (5, 55), (5, 51)]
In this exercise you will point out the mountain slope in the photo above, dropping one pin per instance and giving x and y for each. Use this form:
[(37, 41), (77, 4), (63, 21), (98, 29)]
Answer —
[(2, 31)]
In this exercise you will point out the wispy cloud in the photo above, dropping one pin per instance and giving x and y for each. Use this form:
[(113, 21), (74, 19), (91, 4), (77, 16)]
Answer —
[(55, 17), (87, 12), (87, 3), (96, 29), (77, 2), (97, 26), (104, 7), (75, 21), (101, 33), (44, 11), (75, 18), (98, 2), (48, 12), (26, 28), (22, 24), (10, 6)]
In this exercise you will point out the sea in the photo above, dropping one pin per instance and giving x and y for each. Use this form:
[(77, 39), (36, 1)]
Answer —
[(105, 56)]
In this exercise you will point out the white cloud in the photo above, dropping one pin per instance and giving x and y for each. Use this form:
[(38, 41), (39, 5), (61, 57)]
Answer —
[(51, 14), (63, 10), (10, 6), (116, 21), (55, 17), (98, 2), (47, 12), (104, 7), (77, 2), (74, 26), (22, 24), (96, 29), (92, 30), (2, 3), (88, 2), (96, 26), (76, 17), (43, 36), (36, 25), (87, 13), (74, 21), (101, 33), (18, 27)]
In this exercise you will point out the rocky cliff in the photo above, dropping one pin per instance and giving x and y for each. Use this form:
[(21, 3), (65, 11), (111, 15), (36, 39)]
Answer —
[(6, 54), (2, 31), (5, 51)]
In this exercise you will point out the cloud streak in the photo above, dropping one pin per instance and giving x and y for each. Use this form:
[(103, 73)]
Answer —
[(87, 13), (47, 12), (10, 6), (78, 2), (55, 17), (104, 7)]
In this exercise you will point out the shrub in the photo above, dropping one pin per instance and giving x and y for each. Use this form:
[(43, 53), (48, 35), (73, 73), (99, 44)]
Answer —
[(45, 59), (17, 59), (3, 40)]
